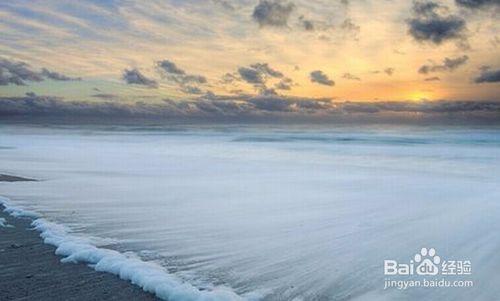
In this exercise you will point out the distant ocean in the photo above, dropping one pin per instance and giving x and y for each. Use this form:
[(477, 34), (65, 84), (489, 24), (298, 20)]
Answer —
[(270, 212)]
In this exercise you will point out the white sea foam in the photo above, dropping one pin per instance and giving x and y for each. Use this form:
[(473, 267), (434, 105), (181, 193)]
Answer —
[(3, 223), (150, 277)]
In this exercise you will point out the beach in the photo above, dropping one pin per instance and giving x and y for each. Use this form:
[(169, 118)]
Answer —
[(247, 213), (31, 270)]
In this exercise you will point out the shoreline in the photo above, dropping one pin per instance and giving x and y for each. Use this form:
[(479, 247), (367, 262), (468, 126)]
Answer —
[(32, 271), (44, 261)]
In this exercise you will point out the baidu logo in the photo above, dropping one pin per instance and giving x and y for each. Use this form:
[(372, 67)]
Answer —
[(431, 269), (428, 262)]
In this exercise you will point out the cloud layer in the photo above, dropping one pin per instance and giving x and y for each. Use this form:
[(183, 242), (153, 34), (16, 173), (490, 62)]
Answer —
[(250, 108)]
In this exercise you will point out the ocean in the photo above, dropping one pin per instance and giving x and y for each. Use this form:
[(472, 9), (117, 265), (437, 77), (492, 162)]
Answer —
[(309, 212)]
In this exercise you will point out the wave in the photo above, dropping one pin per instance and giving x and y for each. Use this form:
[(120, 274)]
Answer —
[(369, 140), (151, 277)]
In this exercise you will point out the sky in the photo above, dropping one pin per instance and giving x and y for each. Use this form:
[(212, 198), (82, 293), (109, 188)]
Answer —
[(119, 52)]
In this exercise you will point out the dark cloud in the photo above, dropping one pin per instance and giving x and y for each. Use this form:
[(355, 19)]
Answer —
[(430, 22), (170, 67), (57, 76), (425, 8), (474, 4), (308, 25), (258, 75), (251, 75), (349, 25), (271, 103), (173, 72), (188, 83), (19, 73), (191, 90), (196, 79), (134, 76), (350, 76), (321, 78), (432, 79), (488, 76), (266, 70), (225, 4), (248, 107), (273, 13), (284, 84), (389, 71), (449, 64), (229, 78)]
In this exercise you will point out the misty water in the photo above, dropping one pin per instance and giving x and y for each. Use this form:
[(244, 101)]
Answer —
[(288, 213)]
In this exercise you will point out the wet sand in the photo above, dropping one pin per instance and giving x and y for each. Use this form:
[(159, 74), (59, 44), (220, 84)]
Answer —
[(31, 271)]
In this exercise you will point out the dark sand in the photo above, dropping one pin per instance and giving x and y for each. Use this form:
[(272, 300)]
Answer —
[(29, 270)]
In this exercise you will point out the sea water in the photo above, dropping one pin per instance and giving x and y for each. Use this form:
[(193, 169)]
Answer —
[(277, 212)]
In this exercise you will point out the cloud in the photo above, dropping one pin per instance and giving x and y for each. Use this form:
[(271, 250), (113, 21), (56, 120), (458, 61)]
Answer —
[(191, 90), (266, 70), (248, 107), (449, 64), (348, 25), (229, 78), (430, 22), (432, 79), (272, 13), (284, 84), (258, 75), (188, 83), (134, 76), (271, 103), (488, 76), (225, 4), (321, 78), (178, 75), (19, 73), (350, 76), (196, 79), (389, 71), (475, 4), (57, 76), (170, 67), (308, 25), (251, 75)]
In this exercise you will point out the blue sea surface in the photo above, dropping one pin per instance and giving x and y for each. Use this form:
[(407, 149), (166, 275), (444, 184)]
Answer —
[(287, 212)]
